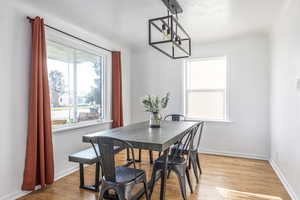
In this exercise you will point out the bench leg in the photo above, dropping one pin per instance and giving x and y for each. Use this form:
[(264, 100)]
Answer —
[(81, 171), (94, 187), (97, 177)]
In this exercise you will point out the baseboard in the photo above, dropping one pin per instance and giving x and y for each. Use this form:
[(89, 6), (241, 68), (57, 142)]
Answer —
[(233, 154), (14, 195), (65, 173), (18, 194), (283, 180)]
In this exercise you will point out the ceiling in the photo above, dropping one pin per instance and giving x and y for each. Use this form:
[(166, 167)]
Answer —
[(205, 20)]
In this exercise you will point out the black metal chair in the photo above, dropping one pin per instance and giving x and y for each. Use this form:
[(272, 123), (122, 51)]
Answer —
[(193, 154), (121, 179), (172, 117), (177, 163)]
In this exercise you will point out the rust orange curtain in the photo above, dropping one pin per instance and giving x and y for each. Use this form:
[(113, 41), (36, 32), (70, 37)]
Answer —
[(39, 164), (117, 106)]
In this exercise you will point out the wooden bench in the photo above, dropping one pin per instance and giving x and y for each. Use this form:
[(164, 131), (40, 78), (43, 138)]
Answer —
[(89, 157)]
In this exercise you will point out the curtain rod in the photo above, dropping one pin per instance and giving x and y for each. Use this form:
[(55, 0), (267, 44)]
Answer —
[(73, 36)]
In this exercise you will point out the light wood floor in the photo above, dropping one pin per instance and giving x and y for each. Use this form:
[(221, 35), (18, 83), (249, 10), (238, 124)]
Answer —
[(223, 178)]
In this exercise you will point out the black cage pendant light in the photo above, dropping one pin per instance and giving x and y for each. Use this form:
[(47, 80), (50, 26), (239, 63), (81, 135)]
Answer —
[(167, 35)]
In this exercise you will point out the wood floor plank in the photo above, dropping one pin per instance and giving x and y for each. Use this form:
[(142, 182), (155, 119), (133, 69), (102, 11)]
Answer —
[(223, 178)]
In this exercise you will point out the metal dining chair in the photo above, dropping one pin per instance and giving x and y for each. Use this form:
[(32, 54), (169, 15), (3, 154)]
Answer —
[(194, 160), (172, 117), (121, 179), (177, 163), (175, 117)]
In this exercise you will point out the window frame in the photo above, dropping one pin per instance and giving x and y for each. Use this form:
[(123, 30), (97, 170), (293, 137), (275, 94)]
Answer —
[(225, 91), (62, 39)]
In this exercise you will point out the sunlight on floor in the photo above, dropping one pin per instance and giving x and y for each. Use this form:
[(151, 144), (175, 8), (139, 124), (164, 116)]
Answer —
[(226, 193)]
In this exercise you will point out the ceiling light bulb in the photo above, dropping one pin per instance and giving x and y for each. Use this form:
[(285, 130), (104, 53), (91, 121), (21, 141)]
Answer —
[(168, 31)]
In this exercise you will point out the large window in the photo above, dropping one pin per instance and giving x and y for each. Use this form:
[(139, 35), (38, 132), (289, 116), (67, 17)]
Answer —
[(206, 88), (76, 81)]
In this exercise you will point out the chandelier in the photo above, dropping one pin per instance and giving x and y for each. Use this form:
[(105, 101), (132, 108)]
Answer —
[(167, 35)]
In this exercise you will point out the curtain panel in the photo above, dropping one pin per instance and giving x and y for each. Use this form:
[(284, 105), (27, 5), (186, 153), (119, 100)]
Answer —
[(39, 164), (117, 104)]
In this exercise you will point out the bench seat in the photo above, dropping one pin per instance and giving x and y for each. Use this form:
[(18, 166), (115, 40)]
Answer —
[(88, 156)]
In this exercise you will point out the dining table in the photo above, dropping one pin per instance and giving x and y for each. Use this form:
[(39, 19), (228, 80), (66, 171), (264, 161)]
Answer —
[(141, 136)]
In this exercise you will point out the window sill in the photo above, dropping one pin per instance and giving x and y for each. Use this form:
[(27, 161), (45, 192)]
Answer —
[(221, 121), (210, 120), (80, 125)]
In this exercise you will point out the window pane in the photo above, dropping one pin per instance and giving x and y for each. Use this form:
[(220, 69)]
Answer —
[(207, 74), (206, 105), (76, 84), (61, 71), (89, 86)]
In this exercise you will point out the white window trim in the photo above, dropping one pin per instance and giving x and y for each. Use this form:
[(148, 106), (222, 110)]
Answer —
[(80, 125), (107, 71), (226, 91)]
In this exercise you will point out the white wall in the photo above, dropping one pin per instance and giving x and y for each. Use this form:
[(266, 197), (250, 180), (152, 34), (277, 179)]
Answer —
[(15, 41), (248, 133), (285, 97)]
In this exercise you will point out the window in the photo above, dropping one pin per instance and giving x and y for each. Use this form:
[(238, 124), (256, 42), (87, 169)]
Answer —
[(205, 88), (76, 81)]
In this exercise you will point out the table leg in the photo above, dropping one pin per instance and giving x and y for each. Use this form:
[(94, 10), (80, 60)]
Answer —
[(128, 154), (151, 156), (163, 177), (129, 160), (140, 156)]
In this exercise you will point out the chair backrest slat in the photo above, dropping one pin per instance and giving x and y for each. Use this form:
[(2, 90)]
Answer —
[(107, 155), (197, 135), (106, 147), (185, 142)]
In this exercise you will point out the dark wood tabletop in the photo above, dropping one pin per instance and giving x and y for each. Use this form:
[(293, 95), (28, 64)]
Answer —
[(143, 137)]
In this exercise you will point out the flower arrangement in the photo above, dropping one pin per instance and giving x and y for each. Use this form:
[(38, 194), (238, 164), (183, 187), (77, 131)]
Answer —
[(154, 105)]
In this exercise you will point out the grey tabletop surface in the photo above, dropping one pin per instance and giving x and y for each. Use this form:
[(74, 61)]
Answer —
[(143, 137)]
